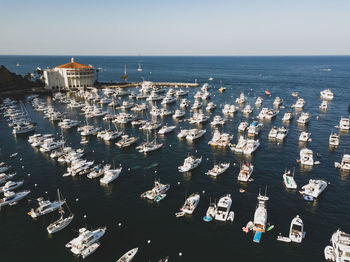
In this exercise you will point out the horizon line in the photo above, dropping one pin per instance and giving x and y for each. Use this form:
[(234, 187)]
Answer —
[(267, 55)]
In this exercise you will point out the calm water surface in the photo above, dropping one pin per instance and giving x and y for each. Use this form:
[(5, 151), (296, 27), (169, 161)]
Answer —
[(23, 238)]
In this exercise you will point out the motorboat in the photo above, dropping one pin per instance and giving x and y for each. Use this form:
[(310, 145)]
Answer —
[(45, 207), (324, 105), (229, 109), (198, 118), (50, 145), (89, 250), (277, 102), (251, 146), (245, 172), (190, 163), (304, 136), (223, 208), (220, 139), (183, 133), (10, 186), (254, 129), (240, 146), (4, 168), (23, 128), (304, 118), (259, 101), (300, 103), (306, 157), (210, 106), (314, 188), (155, 111), (139, 107), (128, 256), (242, 126), (345, 163), (68, 123), (126, 141), (126, 105), (11, 198), (190, 204), (181, 93), (241, 99), (288, 179), (184, 103), (267, 113), (334, 139), (154, 96), (110, 175), (178, 114), (327, 94), (339, 251), (166, 129), (123, 118), (168, 100), (194, 134), (149, 126), (98, 171), (218, 169), (218, 121), (273, 132), (344, 123), (157, 193), (287, 116), (165, 112), (5, 177), (85, 239), (89, 130), (281, 133), (296, 231)]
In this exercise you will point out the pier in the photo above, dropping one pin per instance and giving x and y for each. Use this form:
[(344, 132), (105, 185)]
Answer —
[(167, 84)]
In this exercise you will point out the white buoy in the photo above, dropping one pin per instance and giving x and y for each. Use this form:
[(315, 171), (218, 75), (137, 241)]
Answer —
[(178, 183), (28, 174), (93, 151), (180, 254), (35, 185), (207, 158), (119, 224), (77, 199), (155, 171), (22, 166), (45, 192), (169, 145), (129, 169), (85, 216), (203, 191), (148, 241), (234, 164)]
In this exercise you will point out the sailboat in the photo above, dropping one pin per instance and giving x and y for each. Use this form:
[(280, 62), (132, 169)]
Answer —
[(139, 69), (125, 76), (62, 222), (149, 146)]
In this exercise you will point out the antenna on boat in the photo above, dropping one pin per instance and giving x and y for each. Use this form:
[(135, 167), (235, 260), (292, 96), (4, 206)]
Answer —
[(265, 190)]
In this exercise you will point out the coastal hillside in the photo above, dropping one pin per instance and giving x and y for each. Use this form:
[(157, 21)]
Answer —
[(12, 82)]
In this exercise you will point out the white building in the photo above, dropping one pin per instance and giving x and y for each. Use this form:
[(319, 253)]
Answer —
[(70, 75)]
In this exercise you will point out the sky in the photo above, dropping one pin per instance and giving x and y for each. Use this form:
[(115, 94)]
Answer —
[(175, 27)]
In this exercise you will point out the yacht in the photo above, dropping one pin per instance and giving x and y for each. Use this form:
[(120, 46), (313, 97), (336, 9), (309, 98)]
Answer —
[(339, 251), (304, 137), (154, 96), (85, 239), (98, 171), (190, 204), (254, 129), (217, 121), (242, 126), (273, 132), (183, 133), (344, 123), (247, 110), (23, 128), (288, 180), (149, 126), (277, 102), (190, 163), (89, 130), (241, 99), (139, 69), (45, 207), (260, 217), (251, 146), (126, 141), (334, 139), (287, 116), (194, 134), (218, 169), (168, 100), (314, 188), (50, 145), (128, 256), (126, 105), (300, 103), (239, 147), (327, 94), (181, 93), (110, 175), (281, 133), (304, 118), (166, 129), (10, 186), (198, 118), (11, 198), (306, 157), (68, 123), (296, 231), (267, 113), (223, 208), (178, 114), (345, 163), (5, 177), (139, 107), (196, 105), (210, 106), (324, 105), (157, 193), (245, 172), (123, 118)]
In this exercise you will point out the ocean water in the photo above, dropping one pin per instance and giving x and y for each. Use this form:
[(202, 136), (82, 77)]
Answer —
[(23, 238)]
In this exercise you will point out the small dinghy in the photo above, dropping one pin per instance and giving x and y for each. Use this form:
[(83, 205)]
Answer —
[(89, 250), (270, 228), (180, 214), (329, 253), (207, 218), (231, 216), (128, 256), (159, 197), (283, 239), (308, 198), (13, 155)]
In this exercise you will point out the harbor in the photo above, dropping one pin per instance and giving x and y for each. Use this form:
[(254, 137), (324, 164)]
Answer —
[(229, 162)]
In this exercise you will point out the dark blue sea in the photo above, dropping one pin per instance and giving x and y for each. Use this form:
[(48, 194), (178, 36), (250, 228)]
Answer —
[(25, 239)]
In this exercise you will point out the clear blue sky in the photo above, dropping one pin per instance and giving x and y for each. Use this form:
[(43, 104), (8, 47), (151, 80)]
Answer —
[(175, 27)]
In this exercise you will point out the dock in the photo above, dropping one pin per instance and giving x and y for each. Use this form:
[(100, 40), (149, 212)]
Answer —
[(167, 84)]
